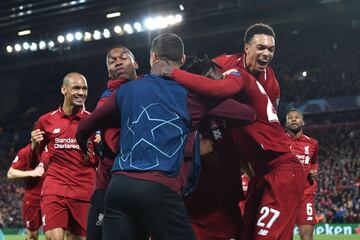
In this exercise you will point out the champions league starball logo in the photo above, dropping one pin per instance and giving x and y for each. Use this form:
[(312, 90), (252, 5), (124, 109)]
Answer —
[(149, 140)]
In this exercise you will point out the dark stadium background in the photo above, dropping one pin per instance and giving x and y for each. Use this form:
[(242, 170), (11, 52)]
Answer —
[(319, 37)]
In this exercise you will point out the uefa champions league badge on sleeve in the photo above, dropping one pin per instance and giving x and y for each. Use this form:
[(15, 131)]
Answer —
[(233, 72)]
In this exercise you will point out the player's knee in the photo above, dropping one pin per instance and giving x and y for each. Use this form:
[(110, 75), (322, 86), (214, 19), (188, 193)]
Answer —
[(49, 236), (30, 235), (33, 235), (54, 235), (306, 236), (31, 238)]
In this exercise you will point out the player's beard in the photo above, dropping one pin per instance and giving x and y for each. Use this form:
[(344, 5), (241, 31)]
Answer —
[(294, 130)]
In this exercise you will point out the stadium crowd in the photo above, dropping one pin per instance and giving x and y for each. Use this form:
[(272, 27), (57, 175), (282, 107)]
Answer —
[(11, 194), (331, 66), (338, 198)]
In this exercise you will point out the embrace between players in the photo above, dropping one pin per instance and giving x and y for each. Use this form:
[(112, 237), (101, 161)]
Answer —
[(184, 138)]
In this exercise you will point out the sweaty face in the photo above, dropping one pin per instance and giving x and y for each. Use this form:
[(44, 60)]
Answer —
[(259, 52), (121, 64), (294, 121), (75, 91)]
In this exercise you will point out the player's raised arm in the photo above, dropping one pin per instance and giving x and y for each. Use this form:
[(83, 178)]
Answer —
[(226, 87)]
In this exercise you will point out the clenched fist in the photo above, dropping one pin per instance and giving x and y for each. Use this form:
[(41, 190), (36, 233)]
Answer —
[(36, 137)]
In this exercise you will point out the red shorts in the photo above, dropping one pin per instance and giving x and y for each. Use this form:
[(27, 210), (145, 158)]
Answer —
[(31, 216), (306, 211), (66, 213), (271, 205)]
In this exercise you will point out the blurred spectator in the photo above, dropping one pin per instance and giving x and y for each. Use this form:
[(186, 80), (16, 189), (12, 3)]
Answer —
[(11, 194), (339, 166), (327, 69)]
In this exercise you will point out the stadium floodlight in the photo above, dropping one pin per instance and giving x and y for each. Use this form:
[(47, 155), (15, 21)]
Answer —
[(178, 18), (42, 45), (117, 29), (78, 36), (112, 15), (60, 38), (51, 44), (181, 7), (149, 23), (87, 36), (97, 35), (33, 46), (170, 20), (24, 32), (160, 22), (17, 47), (138, 26), (26, 45), (128, 28), (69, 37), (9, 49), (106, 33)]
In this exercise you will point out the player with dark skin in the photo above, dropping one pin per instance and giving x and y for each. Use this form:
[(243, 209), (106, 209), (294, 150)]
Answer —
[(121, 68), (259, 50), (294, 127)]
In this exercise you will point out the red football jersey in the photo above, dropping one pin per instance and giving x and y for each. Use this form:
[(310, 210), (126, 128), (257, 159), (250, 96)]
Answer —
[(306, 150), (263, 141), (23, 161), (68, 173), (267, 78)]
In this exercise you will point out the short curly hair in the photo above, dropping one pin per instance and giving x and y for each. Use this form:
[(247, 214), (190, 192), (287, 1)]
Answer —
[(198, 65), (258, 28)]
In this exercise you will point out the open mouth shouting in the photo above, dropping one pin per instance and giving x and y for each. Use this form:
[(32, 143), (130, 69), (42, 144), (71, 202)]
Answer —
[(262, 62)]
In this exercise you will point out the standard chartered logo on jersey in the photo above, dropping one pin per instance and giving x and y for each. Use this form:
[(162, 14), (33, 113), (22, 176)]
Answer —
[(66, 143)]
